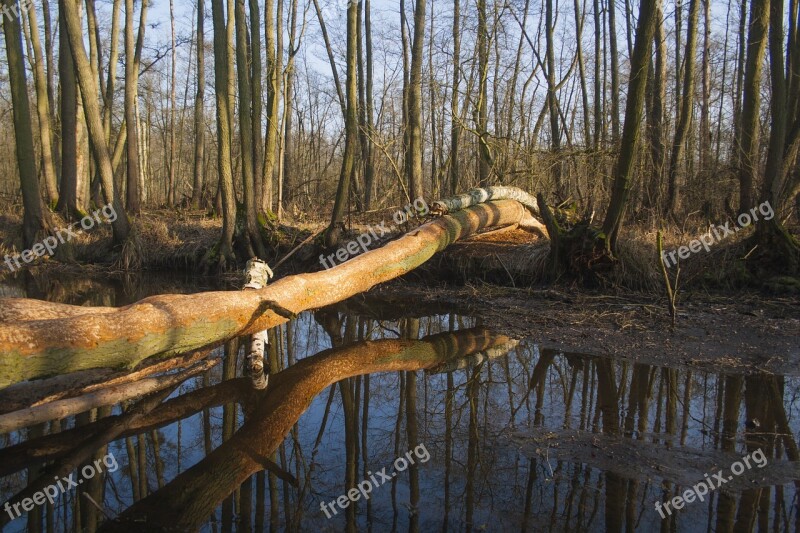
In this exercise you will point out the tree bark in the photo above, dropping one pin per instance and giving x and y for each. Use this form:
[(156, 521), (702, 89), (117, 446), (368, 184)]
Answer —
[(633, 116), (132, 194), (751, 102), (86, 81), (251, 232), (482, 106), (657, 79), (614, 53), (686, 103), (333, 232), (33, 219), (455, 127), (224, 123), (199, 102), (43, 111), (414, 154)]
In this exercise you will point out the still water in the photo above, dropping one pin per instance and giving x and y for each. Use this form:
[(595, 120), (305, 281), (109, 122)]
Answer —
[(426, 422)]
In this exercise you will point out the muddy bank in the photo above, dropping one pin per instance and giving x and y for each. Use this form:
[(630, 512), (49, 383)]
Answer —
[(742, 332)]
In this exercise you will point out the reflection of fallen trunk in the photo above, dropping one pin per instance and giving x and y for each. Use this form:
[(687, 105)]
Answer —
[(83, 452), (174, 324), (57, 445), (646, 460), (475, 359), (188, 501), (59, 409)]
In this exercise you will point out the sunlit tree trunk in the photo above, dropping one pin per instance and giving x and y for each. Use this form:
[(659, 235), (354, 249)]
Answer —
[(351, 130), (414, 153), (273, 77), (455, 127), (33, 219), (43, 111), (288, 102), (91, 108), (199, 102), (369, 164), (251, 234), (171, 185), (258, 105), (222, 76), (131, 93), (482, 111)]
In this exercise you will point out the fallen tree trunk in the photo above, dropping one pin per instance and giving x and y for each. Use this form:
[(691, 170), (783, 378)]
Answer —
[(174, 324)]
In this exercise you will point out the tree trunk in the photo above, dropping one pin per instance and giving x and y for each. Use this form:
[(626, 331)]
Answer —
[(455, 127), (705, 107), (132, 195), (751, 100), (614, 53), (43, 111), (633, 115), (171, 184), (288, 102), (657, 79), (33, 219), (273, 77), (199, 102), (224, 123), (332, 234), (599, 120), (258, 104), (482, 110), (251, 233), (552, 100), (414, 153), (587, 131), (686, 103), (369, 164)]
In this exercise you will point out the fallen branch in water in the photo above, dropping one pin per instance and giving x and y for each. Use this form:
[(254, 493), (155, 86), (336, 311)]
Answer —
[(59, 409), (73, 339)]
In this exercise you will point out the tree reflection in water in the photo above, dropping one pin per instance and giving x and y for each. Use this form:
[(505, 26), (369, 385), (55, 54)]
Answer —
[(521, 438)]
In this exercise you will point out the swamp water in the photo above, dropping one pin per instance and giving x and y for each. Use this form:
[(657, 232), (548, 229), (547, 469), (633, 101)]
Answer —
[(450, 426)]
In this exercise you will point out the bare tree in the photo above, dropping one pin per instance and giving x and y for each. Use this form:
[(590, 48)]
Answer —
[(33, 221), (222, 77), (333, 233), (199, 102), (91, 108)]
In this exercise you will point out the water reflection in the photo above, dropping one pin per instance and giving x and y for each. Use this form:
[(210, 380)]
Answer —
[(520, 439)]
